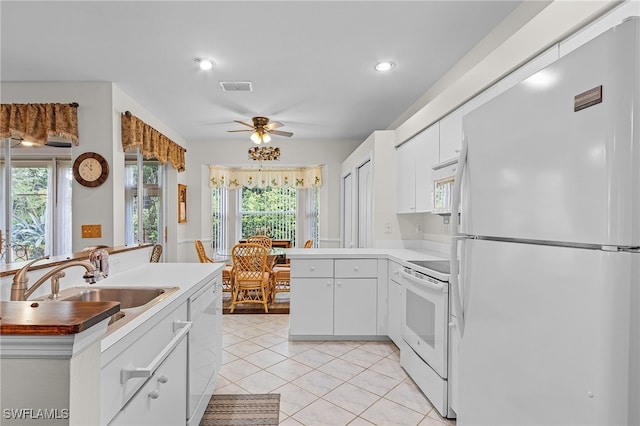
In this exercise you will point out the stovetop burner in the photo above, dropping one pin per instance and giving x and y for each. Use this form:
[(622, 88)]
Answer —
[(441, 266)]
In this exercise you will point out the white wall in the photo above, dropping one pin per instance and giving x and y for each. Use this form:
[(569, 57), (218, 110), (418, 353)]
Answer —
[(121, 103), (90, 205), (233, 152)]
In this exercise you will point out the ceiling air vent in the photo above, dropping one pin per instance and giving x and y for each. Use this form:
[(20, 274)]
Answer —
[(236, 86)]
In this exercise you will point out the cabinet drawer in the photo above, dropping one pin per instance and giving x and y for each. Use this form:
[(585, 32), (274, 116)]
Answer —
[(356, 268), (137, 350), (161, 400), (312, 268)]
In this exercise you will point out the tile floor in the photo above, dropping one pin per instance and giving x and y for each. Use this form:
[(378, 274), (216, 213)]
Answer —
[(320, 383)]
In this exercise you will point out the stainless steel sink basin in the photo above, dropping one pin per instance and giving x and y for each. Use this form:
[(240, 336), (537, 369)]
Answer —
[(133, 300), (128, 297)]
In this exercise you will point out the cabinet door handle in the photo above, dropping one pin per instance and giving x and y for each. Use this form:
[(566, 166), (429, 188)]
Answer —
[(154, 394), (339, 283), (126, 374), (313, 268), (163, 379), (355, 268)]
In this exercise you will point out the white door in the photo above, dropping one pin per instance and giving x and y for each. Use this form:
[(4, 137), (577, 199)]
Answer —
[(347, 211), (546, 338), (540, 170), (364, 205)]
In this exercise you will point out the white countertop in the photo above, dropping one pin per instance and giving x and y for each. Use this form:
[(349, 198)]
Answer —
[(187, 276), (398, 255)]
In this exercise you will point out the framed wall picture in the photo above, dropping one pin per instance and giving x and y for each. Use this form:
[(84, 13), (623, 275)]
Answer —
[(182, 203)]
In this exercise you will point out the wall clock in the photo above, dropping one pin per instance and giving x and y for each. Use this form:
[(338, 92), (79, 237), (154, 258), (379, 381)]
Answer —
[(90, 169)]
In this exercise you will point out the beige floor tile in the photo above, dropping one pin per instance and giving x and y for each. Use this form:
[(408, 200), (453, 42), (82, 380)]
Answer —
[(408, 394), (323, 413), (290, 348), (289, 369), (228, 357), (341, 369), (229, 388), (264, 358), (237, 370), (351, 398), (317, 382), (261, 382), (293, 398), (359, 421), (229, 339), (289, 421), (390, 368), (388, 413), (267, 340), (375, 382), (243, 349), (336, 348), (379, 348), (361, 357), (313, 358)]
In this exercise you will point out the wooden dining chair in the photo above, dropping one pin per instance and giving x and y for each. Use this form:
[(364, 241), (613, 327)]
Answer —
[(263, 240), (280, 280), (227, 272), (308, 244), (251, 283), (156, 254)]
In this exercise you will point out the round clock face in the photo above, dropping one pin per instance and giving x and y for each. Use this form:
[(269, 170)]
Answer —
[(90, 169)]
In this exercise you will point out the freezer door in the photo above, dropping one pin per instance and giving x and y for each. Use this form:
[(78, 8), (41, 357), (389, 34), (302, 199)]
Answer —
[(539, 170), (547, 332)]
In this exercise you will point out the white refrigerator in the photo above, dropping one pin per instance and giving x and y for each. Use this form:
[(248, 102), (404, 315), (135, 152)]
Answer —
[(548, 294)]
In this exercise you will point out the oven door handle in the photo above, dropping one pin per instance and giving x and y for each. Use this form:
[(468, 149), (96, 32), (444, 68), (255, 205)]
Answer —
[(421, 283)]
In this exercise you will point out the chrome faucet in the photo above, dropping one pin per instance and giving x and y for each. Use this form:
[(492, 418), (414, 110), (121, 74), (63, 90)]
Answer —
[(100, 260), (20, 289)]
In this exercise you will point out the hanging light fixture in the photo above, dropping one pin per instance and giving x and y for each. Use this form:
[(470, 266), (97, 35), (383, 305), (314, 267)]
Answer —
[(260, 136), (264, 153)]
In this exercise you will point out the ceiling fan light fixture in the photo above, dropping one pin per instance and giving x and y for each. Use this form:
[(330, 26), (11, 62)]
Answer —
[(266, 138), (385, 66), (255, 138), (205, 63)]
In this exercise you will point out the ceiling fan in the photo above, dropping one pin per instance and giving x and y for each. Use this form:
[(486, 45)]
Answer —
[(262, 129)]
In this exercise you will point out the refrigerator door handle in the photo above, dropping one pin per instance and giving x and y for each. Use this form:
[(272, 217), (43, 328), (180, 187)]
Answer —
[(456, 236)]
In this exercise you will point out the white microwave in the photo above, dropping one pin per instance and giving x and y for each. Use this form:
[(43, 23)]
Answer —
[(443, 177)]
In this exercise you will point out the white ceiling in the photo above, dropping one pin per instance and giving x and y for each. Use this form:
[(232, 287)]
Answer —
[(311, 63)]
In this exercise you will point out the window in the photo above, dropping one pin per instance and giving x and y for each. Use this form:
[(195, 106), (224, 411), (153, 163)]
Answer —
[(35, 205), (282, 213), (268, 211), (143, 201)]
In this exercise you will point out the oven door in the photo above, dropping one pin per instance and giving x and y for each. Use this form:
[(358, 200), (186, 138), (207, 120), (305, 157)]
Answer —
[(425, 322)]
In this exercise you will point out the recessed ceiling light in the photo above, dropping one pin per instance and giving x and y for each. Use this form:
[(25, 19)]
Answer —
[(385, 66), (204, 63)]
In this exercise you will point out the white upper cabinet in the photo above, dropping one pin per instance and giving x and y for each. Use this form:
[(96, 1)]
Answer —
[(450, 135), (415, 160)]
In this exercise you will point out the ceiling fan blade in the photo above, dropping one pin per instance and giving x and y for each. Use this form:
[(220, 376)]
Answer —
[(273, 125), (243, 123), (243, 130), (280, 133)]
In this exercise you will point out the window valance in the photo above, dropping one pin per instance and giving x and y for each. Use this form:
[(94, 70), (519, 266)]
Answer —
[(38, 122), (230, 178), (152, 144)]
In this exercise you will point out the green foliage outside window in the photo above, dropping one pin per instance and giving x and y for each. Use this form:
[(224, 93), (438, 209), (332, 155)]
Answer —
[(269, 211)]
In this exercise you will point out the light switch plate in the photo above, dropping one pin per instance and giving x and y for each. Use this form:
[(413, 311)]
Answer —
[(91, 231)]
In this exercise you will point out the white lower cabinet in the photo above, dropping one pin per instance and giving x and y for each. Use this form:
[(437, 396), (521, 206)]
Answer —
[(311, 307), (355, 307), (328, 303), (161, 401)]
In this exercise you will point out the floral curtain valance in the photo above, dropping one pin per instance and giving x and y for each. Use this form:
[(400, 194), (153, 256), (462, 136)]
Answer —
[(152, 144), (38, 122), (302, 178)]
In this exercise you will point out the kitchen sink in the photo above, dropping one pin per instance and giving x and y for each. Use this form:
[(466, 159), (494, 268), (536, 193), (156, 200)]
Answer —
[(133, 300), (128, 297)]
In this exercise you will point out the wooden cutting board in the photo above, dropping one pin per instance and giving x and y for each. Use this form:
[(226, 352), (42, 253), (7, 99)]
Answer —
[(52, 318)]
